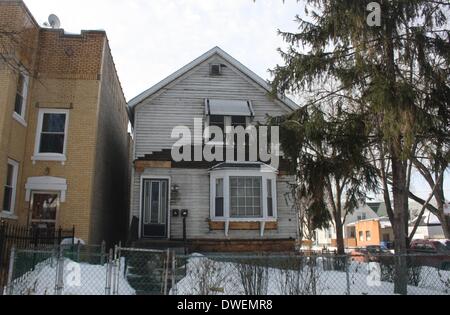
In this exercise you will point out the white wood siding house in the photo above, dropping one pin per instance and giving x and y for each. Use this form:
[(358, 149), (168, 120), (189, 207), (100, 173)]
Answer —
[(162, 189)]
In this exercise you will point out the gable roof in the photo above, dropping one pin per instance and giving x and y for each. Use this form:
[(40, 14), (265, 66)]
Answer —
[(215, 51)]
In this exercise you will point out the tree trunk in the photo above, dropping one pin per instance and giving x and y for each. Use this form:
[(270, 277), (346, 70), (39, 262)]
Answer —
[(340, 237), (400, 195)]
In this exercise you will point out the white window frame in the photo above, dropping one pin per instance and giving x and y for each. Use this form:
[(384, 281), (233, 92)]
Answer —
[(225, 175), (50, 156), (20, 117), (7, 213)]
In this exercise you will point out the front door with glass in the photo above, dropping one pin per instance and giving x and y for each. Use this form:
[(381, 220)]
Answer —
[(155, 208)]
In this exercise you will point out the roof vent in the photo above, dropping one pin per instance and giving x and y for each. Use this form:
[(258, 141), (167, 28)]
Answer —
[(215, 69)]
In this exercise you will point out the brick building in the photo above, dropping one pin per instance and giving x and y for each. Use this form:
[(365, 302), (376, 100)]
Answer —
[(64, 142)]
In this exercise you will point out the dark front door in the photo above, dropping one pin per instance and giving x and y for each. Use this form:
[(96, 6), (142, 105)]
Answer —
[(155, 208)]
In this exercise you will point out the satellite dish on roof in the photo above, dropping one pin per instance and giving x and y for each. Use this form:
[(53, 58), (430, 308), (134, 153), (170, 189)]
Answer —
[(53, 21)]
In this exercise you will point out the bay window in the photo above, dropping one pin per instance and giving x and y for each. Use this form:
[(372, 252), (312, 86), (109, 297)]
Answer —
[(219, 200), (269, 198), (245, 197), (243, 194)]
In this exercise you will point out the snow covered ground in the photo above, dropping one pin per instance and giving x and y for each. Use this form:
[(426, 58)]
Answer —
[(207, 276), (79, 279), (210, 277)]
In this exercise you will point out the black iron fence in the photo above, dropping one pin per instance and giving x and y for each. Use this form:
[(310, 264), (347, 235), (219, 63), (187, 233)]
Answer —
[(27, 238)]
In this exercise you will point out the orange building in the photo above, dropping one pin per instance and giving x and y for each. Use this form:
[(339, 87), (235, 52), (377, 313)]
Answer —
[(369, 232)]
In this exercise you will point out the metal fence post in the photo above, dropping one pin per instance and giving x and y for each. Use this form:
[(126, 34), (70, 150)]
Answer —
[(174, 274), (35, 244), (73, 235), (347, 274), (59, 286), (78, 250), (2, 239), (109, 273), (116, 269), (59, 235), (12, 259), (166, 271), (102, 253), (54, 256)]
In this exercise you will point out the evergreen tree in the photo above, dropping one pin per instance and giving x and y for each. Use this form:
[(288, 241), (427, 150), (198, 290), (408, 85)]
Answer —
[(328, 153), (397, 74)]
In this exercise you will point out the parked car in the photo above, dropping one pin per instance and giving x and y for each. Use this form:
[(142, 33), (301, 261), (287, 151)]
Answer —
[(387, 245), (429, 253), (372, 253)]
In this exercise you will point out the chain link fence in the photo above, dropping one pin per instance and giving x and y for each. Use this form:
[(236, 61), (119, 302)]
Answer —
[(64, 270), (85, 270), (303, 275)]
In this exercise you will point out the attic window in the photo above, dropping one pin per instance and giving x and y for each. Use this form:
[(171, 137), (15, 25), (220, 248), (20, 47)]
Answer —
[(215, 69)]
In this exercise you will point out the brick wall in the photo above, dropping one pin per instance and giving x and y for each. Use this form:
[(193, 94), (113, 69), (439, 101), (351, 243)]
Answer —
[(109, 215), (18, 45), (73, 72), (372, 226)]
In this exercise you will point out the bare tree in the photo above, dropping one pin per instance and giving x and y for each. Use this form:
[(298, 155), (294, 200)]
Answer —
[(18, 46)]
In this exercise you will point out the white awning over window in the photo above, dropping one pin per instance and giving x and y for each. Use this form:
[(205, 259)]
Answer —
[(46, 183), (216, 107)]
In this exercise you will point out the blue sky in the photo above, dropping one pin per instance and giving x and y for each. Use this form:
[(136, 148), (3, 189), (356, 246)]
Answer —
[(150, 39)]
